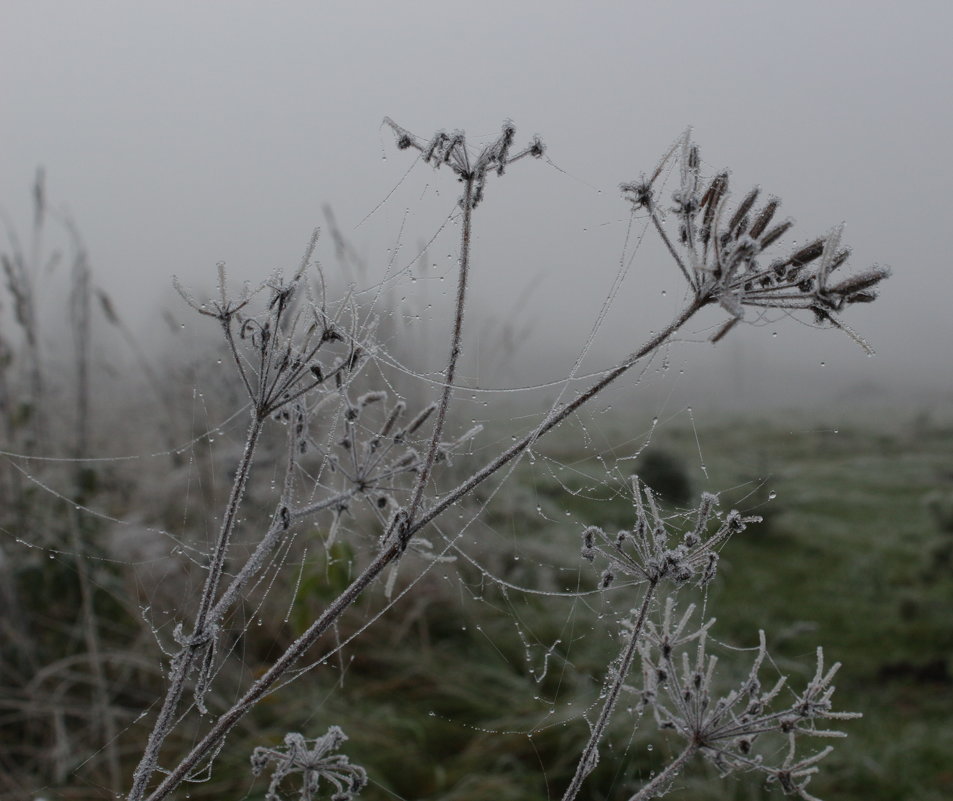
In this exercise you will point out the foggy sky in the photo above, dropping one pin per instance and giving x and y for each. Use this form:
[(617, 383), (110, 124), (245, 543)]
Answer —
[(181, 134)]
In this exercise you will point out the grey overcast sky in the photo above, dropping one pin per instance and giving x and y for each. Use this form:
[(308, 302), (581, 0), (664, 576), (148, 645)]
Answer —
[(181, 134)]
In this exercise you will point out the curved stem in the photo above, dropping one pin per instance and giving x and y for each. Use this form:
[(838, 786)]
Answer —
[(588, 758)]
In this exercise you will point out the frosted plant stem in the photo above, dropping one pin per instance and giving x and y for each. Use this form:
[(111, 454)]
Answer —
[(183, 662), (456, 336), (589, 756), (262, 550), (213, 739), (671, 248), (658, 784), (555, 417)]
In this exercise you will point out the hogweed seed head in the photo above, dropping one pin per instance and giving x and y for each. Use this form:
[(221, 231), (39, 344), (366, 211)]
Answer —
[(650, 553), (727, 728), (726, 258), (451, 150)]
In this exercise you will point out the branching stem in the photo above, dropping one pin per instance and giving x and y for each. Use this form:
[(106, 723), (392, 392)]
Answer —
[(211, 741)]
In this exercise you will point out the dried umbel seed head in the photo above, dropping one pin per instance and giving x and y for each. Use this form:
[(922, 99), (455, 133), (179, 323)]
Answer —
[(317, 764), (451, 150), (724, 254), (648, 554), (728, 728)]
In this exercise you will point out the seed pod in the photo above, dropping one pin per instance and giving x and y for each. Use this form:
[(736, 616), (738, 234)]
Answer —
[(775, 234), (743, 209), (762, 220), (807, 254)]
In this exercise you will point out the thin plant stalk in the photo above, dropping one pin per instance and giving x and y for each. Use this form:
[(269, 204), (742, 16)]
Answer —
[(662, 779), (210, 743), (456, 336), (556, 416), (589, 756)]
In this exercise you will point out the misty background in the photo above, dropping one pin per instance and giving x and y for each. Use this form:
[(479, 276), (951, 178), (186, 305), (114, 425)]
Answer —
[(181, 134)]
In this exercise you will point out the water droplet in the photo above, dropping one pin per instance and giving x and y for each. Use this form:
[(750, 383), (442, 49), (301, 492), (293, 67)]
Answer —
[(649, 747), (772, 495)]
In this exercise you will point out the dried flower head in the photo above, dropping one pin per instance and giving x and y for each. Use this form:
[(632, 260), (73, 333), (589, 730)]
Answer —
[(650, 553), (315, 760), (451, 150), (727, 729), (726, 255)]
